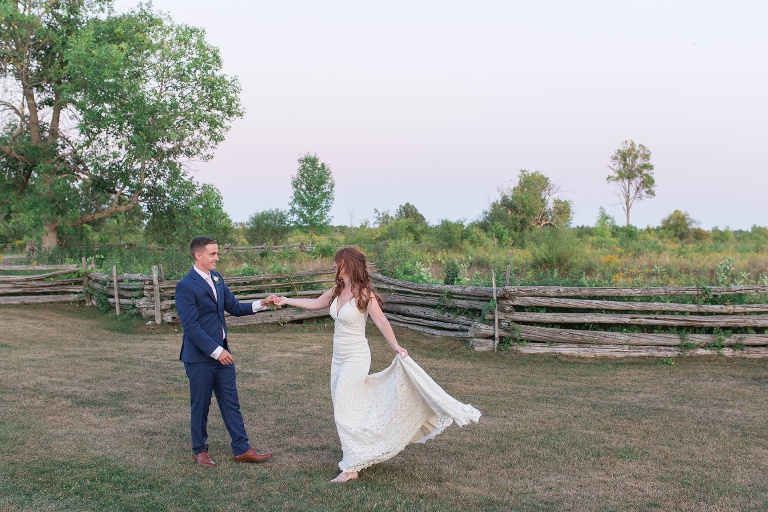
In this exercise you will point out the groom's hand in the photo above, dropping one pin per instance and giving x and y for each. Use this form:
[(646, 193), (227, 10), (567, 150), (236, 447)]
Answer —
[(225, 357)]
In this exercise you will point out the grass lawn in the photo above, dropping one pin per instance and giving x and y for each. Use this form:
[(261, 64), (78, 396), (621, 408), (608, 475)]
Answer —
[(94, 416)]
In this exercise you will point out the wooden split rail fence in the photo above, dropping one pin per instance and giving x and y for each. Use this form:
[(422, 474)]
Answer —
[(569, 320), (591, 321), (38, 284), (153, 295)]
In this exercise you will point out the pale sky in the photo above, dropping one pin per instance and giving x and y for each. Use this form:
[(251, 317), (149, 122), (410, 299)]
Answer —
[(439, 102)]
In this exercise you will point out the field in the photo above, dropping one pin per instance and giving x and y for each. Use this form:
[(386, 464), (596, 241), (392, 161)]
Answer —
[(94, 416)]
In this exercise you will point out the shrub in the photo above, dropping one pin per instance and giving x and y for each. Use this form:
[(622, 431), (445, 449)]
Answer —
[(326, 249), (268, 227), (557, 249), (448, 234), (399, 259), (722, 235), (452, 272)]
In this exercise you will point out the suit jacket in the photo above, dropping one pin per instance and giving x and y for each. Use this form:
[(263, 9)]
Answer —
[(202, 316)]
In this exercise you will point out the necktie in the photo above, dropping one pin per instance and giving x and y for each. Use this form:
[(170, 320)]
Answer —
[(210, 282), (215, 296)]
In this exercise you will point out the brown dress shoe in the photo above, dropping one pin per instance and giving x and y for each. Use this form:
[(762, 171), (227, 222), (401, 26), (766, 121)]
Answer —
[(204, 459), (253, 456)]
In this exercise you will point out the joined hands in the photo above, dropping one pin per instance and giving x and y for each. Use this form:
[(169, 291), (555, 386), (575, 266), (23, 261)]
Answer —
[(269, 301)]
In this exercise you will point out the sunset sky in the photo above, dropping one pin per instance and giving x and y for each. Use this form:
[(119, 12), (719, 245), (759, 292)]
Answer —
[(440, 103)]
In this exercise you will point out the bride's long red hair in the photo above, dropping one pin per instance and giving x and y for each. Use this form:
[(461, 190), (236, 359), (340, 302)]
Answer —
[(352, 262)]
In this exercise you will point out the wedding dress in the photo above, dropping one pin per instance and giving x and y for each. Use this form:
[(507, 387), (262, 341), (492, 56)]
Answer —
[(377, 415)]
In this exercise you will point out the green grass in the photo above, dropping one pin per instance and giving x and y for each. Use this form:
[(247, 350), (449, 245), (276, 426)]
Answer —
[(94, 416)]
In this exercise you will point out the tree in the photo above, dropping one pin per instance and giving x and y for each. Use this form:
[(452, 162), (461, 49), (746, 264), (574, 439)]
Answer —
[(268, 227), (448, 234), (605, 223), (408, 211), (200, 211), (682, 226), (412, 221), (677, 223), (632, 172), (528, 205), (382, 218), (99, 110), (126, 228), (312, 193)]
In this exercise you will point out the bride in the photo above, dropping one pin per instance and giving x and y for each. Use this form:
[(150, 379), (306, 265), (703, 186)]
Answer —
[(376, 415)]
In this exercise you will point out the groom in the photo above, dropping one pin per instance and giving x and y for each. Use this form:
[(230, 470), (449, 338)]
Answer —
[(201, 299)]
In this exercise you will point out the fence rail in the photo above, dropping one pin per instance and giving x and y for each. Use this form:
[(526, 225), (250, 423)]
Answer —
[(33, 284), (585, 321), (567, 331)]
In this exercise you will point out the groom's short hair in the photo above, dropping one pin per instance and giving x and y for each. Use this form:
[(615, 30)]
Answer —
[(198, 244)]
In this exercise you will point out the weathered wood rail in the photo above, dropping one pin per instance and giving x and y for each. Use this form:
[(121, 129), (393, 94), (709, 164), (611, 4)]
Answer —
[(572, 323), (585, 321), (23, 287), (298, 284), (439, 310)]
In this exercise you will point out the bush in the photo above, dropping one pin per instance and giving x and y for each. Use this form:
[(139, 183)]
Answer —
[(399, 259), (362, 236), (448, 234), (268, 227), (452, 272), (325, 249), (557, 250)]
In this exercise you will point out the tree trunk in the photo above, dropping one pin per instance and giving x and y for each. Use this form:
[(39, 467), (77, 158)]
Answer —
[(53, 134), (34, 122), (51, 235)]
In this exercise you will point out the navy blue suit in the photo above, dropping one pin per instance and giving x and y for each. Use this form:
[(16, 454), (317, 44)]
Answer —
[(202, 318)]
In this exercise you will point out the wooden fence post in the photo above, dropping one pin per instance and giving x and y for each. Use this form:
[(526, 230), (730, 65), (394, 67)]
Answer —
[(87, 295), (495, 313), (116, 290), (156, 290), (506, 281)]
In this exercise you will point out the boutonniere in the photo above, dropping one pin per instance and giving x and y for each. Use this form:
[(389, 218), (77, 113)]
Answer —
[(216, 279)]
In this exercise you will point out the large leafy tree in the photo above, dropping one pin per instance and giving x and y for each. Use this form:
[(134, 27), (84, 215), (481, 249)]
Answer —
[(199, 211), (312, 198), (99, 111), (530, 204), (632, 172)]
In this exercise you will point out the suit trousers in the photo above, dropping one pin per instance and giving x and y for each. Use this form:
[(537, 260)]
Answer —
[(213, 377)]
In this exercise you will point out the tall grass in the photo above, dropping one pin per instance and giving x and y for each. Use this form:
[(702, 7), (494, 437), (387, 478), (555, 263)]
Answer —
[(566, 257)]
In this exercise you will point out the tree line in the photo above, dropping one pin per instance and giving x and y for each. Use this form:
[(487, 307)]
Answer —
[(100, 110), (530, 204)]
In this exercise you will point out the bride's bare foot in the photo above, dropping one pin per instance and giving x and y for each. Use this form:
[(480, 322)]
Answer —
[(345, 476)]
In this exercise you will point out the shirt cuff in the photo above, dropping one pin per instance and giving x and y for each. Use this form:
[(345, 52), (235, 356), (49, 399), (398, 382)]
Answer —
[(256, 305), (217, 352)]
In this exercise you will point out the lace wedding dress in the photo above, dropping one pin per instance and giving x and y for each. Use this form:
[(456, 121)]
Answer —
[(377, 415)]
